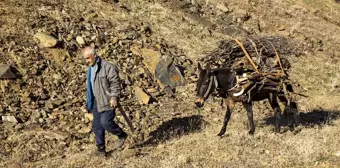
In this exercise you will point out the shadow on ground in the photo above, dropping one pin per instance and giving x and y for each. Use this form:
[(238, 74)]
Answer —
[(176, 127), (316, 117)]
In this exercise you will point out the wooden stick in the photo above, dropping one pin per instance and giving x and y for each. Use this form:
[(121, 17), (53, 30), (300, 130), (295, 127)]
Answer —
[(249, 58), (126, 118), (278, 59)]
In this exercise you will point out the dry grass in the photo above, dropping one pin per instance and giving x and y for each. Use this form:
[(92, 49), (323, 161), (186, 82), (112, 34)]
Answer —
[(310, 147)]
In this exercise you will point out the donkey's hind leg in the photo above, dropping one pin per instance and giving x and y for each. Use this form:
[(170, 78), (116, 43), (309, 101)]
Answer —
[(293, 106), (275, 105), (230, 105), (248, 107), (288, 112)]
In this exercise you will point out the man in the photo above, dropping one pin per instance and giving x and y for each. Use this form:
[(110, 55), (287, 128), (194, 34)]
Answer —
[(103, 91)]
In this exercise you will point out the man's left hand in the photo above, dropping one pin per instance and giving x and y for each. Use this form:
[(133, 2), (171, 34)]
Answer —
[(114, 102)]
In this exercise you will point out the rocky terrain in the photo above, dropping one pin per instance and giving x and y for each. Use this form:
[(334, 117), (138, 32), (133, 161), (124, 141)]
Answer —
[(156, 45)]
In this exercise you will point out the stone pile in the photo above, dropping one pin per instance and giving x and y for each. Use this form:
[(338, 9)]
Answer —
[(50, 91)]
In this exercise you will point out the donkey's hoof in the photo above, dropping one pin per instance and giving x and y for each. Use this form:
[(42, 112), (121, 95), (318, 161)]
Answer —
[(277, 130), (220, 134), (251, 132), (291, 128)]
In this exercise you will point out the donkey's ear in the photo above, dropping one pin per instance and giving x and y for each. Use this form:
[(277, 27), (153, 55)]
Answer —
[(208, 68), (199, 67)]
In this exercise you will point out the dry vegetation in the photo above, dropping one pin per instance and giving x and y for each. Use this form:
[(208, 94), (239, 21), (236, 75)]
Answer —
[(186, 137)]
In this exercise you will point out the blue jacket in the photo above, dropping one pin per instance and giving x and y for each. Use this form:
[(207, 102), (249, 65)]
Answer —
[(89, 91)]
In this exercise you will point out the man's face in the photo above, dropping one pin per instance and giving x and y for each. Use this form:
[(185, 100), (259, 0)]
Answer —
[(90, 59)]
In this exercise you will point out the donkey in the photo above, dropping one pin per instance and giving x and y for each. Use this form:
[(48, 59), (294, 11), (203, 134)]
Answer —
[(224, 80)]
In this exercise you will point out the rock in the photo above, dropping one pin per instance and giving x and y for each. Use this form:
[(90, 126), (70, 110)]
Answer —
[(44, 96), (162, 68), (151, 58), (169, 74), (69, 37), (19, 127), (281, 28), (45, 40), (83, 109), (58, 135), (5, 72), (85, 130), (127, 153), (80, 40), (128, 81), (90, 16), (141, 70), (13, 108), (169, 91), (122, 76), (88, 116), (87, 33), (135, 50), (194, 9), (49, 105), (44, 113), (141, 95), (57, 102), (151, 90), (41, 120), (337, 154), (241, 16), (9, 119), (36, 115), (57, 77), (156, 94), (16, 87), (222, 7), (138, 114)]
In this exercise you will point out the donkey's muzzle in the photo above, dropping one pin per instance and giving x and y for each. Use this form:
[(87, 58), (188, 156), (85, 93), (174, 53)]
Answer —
[(199, 102)]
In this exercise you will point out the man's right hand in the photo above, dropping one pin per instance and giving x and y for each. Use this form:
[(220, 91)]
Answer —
[(114, 102)]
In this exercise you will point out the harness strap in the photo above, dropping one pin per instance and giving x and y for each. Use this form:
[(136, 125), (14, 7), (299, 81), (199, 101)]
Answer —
[(216, 82), (209, 87), (212, 79)]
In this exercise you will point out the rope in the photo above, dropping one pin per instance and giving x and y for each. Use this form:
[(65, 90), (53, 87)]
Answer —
[(249, 58)]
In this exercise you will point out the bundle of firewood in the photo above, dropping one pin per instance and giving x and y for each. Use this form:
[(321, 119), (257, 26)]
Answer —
[(260, 63), (260, 49)]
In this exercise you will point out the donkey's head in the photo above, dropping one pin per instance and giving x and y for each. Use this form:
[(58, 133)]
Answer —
[(205, 85)]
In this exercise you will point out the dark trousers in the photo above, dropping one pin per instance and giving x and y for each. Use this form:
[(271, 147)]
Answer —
[(104, 121)]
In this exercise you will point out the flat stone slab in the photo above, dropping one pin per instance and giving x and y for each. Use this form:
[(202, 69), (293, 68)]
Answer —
[(5, 72)]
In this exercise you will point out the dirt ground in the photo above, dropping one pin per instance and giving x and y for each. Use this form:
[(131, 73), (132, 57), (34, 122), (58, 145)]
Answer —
[(183, 135)]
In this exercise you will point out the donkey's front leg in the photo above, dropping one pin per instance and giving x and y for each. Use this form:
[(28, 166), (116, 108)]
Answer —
[(249, 108), (230, 105)]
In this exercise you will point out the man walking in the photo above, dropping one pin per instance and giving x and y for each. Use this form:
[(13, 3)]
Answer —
[(102, 92)]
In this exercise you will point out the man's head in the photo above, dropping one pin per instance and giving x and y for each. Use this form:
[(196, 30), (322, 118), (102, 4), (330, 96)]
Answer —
[(89, 53)]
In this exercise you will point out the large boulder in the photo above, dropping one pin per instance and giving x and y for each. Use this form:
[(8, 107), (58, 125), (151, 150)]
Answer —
[(45, 40)]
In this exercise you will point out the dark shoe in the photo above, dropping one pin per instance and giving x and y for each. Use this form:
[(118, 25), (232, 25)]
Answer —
[(121, 139), (100, 151)]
